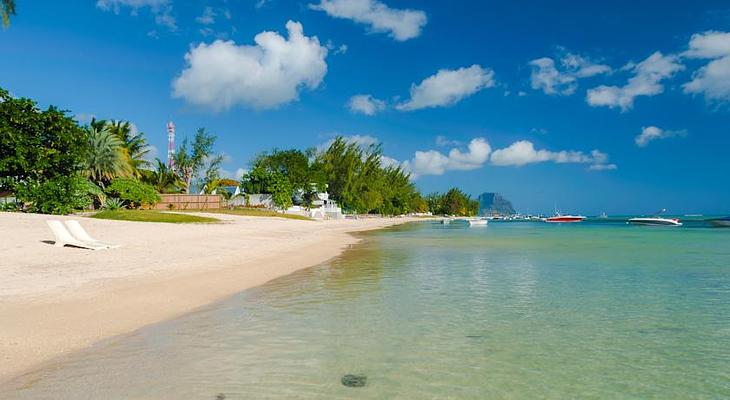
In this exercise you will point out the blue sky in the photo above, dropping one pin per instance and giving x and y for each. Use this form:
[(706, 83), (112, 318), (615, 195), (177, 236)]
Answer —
[(546, 105)]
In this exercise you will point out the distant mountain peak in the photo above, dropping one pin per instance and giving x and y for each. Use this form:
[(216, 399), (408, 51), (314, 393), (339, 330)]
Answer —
[(491, 203)]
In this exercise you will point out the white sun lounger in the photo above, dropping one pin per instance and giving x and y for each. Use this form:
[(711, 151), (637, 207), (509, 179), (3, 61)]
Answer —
[(65, 238), (80, 233)]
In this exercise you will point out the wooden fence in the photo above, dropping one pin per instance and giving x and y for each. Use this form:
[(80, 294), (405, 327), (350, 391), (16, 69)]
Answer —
[(190, 202)]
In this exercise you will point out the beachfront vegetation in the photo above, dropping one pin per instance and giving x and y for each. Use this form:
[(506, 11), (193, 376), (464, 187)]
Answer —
[(132, 193), (285, 174), (354, 176), (106, 157), (453, 202), (60, 195), (52, 164), (152, 216), (359, 179)]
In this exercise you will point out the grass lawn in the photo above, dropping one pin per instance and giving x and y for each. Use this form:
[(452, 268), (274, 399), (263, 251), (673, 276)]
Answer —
[(256, 212), (152, 216)]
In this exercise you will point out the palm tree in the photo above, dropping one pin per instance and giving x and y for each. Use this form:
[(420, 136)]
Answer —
[(7, 8), (107, 157), (134, 143), (163, 178), (189, 162)]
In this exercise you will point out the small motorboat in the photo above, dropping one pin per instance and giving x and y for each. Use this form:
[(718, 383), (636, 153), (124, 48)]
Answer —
[(564, 219), (656, 220), (723, 222)]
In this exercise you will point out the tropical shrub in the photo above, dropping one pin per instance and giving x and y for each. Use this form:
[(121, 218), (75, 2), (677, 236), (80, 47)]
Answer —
[(60, 195), (9, 206), (133, 193), (112, 204)]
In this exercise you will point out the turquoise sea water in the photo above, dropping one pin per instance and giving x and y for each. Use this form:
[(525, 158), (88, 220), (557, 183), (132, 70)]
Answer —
[(426, 311)]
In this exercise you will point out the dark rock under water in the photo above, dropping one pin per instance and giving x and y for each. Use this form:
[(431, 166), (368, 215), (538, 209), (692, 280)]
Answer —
[(351, 380)]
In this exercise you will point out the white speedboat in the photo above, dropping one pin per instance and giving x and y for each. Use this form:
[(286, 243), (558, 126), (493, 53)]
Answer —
[(655, 221)]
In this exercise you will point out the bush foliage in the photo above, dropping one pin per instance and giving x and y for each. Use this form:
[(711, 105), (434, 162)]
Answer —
[(133, 193), (61, 195)]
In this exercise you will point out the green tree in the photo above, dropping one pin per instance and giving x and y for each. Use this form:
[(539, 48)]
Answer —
[(281, 190), (189, 162), (107, 157), (303, 173), (36, 145), (7, 8), (453, 202), (275, 183), (357, 179)]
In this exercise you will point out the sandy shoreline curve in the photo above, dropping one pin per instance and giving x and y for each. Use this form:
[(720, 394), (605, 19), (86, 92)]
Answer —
[(54, 301)]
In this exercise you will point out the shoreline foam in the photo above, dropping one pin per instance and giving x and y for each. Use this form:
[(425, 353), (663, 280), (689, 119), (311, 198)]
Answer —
[(56, 301)]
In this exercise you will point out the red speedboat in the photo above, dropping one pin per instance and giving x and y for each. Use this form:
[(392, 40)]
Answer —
[(563, 219)]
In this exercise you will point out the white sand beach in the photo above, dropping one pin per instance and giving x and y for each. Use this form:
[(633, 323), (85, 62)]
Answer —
[(57, 300)]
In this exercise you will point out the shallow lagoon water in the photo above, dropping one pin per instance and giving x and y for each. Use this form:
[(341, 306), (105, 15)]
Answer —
[(427, 311)]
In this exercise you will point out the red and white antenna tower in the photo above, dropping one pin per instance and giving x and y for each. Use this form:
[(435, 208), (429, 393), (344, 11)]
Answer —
[(170, 144)]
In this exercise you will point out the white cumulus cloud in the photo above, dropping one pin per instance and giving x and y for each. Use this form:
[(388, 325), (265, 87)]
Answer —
[(547, 77), (523, 152), (646, 81), (161, 9), (399, 24), (710, 44), (433, 162), (265, 75), (713, 79), (365, 104), (448, 87), (649, 133)]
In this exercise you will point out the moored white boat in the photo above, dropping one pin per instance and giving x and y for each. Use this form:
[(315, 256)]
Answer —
[(478, 221), (656, 220)]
